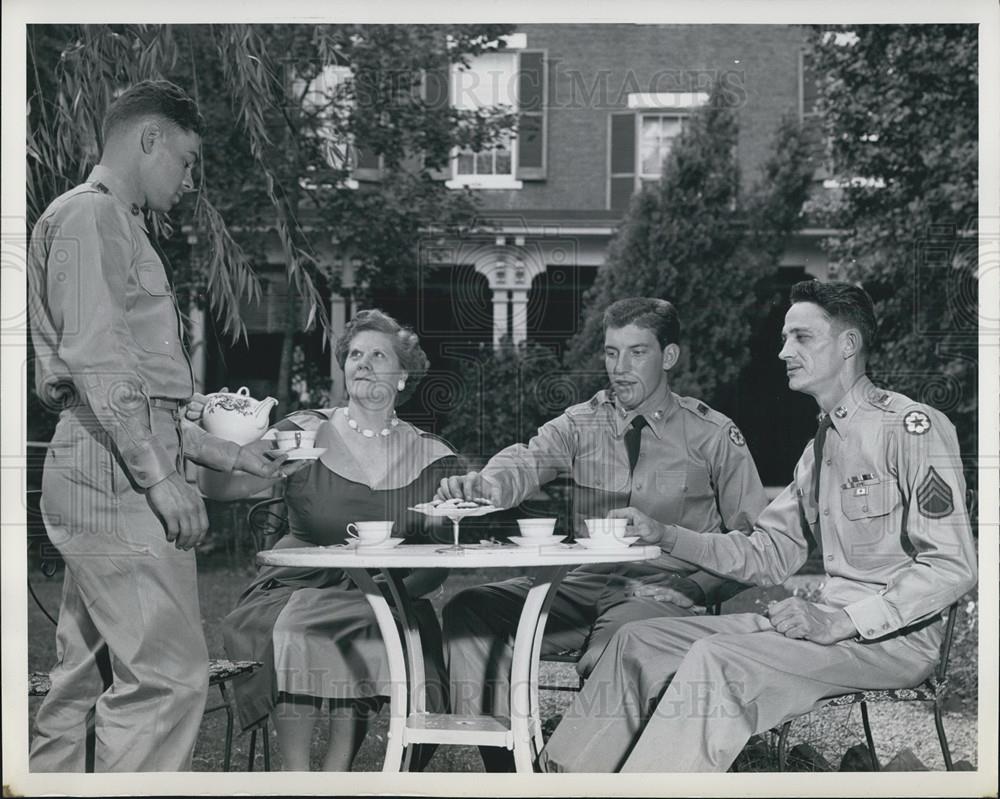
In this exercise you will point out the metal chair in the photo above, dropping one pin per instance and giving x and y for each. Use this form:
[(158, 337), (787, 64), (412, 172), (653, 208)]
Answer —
[(933, 689)]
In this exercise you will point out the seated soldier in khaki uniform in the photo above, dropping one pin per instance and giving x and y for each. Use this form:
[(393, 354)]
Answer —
[(880, 489), (638, 444)]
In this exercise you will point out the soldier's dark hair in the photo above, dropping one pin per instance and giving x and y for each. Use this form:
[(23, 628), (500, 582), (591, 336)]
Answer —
[(405, 343), (153, 98), (650, 313), (844, 303)]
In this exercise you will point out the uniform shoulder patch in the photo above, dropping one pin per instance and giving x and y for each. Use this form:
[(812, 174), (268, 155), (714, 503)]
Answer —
[(916, 423), (934, 497), (736, 436)]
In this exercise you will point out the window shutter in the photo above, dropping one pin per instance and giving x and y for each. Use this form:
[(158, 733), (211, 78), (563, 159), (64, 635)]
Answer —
[(621, 160), (437, 96), (368, 165), (531, 121)]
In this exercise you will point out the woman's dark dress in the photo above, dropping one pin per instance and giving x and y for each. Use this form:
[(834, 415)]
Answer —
[(313, 629)]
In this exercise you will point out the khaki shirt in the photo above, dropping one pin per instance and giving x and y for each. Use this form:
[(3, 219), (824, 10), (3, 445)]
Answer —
[(106, 328), (897, 546), (694, 468)]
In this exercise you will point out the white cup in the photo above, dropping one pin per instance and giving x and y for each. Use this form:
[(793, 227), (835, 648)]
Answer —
[(536, 528), (606, 529), (295, 439), (370, 533)]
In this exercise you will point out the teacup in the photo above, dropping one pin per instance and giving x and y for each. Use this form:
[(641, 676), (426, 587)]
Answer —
[(370, 533), (536, 528), (606, 529), (295, 439)]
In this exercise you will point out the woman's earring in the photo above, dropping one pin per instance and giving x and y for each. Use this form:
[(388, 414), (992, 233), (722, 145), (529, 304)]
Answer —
[(401, 384)]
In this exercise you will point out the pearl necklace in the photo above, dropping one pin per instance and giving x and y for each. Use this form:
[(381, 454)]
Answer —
[(365, 431)]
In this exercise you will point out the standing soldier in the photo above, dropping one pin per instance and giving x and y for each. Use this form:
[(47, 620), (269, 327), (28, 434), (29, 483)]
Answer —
[(637, 444), (880, 490), (107, 333)]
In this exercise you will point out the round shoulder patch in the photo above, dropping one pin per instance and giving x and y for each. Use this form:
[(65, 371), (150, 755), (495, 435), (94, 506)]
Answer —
[(916, 423), (736, 436)]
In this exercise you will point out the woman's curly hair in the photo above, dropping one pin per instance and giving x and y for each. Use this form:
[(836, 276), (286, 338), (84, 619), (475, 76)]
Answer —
[(405, 343)]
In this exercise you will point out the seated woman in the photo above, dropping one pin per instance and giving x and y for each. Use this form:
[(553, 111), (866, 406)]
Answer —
[(312, 628)]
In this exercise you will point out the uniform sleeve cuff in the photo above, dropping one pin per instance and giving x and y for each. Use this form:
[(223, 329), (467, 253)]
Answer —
[(208, 450), (148, 463), (871, 617), (687, 544)]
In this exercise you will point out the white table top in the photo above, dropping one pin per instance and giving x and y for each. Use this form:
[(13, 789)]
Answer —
[(471, 557)]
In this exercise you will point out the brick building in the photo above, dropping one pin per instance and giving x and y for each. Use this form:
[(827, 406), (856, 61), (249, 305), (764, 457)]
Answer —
[(598, 107)]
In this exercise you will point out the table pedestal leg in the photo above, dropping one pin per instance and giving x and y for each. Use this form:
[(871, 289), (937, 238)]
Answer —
[(397, 667), (525, 724), (414, 652)]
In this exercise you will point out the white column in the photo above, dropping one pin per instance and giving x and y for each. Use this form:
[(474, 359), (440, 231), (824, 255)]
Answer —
[(519, 314), (196, 347), (338, 321), (499, 316)]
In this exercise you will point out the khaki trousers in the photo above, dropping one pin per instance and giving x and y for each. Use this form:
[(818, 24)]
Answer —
[(590, 605), (673, 695), (125, 586)]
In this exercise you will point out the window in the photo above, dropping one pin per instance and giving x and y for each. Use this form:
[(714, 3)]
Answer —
[(641, 139), (489, 80), (327, 96), (514, 79), (657, 133)]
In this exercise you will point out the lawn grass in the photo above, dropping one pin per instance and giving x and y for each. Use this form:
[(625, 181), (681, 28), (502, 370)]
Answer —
[(223, 575)]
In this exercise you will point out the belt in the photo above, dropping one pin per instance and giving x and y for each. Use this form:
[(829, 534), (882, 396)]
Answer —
[(165, 403)]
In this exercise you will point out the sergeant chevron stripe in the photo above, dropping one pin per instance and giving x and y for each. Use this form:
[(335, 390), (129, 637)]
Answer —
[(934, 498)]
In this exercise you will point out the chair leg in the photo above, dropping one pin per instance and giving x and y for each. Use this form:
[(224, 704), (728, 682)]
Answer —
[(939, 724), (266, 741), (868, 735), (782, 745), (227, 761), (253, 748)]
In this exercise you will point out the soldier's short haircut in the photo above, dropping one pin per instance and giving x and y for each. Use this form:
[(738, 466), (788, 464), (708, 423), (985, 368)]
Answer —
[(650, 313), (844, 303), (153, 98)]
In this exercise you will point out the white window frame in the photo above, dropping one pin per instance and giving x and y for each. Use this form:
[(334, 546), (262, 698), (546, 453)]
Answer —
[(515, 42), (330, 141), (660, 104)]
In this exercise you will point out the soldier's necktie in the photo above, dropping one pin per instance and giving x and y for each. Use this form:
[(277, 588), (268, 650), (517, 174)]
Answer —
[(824, 425), (633, 440)]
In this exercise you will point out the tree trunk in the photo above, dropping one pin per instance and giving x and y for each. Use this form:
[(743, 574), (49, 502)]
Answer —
[(287, 350)]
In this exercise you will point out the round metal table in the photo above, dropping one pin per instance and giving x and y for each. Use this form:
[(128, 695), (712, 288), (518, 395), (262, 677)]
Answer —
[(409, 721)]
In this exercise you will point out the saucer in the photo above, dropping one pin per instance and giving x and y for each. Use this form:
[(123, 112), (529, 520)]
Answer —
[(304, 453), (613, 543), (536, 541), (387, 544)]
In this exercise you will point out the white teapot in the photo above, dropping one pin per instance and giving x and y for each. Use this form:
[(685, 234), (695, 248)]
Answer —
[(236, 416)]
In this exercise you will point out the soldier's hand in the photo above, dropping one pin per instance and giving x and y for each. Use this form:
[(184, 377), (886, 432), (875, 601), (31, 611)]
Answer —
[(796, 618), (664, 593), (261, 459), (195, 407), (648, 529), (181, 509), (467, 486)]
